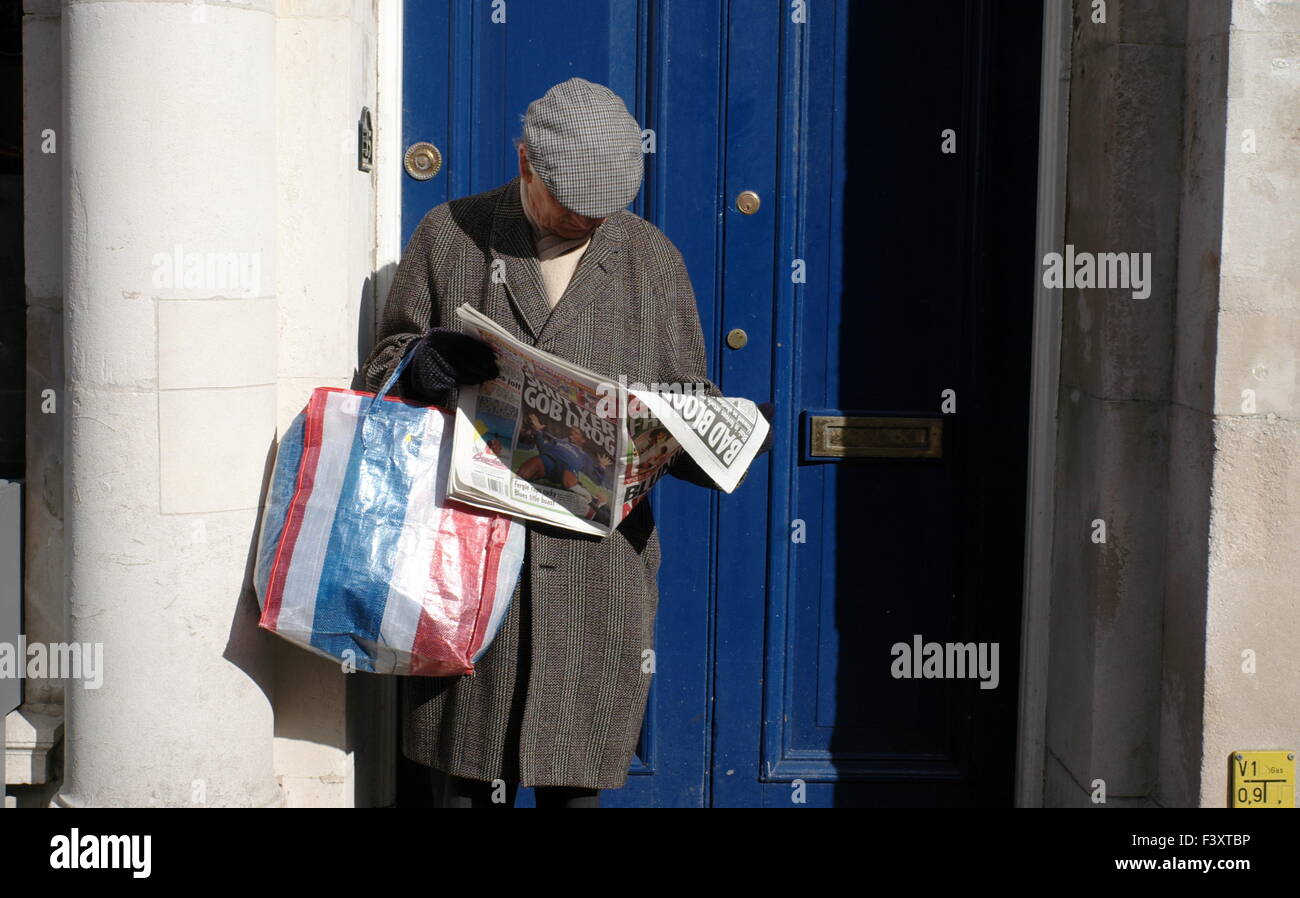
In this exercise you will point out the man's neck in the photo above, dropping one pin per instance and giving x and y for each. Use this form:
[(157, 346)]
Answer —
[(547, 243), (538, 230)]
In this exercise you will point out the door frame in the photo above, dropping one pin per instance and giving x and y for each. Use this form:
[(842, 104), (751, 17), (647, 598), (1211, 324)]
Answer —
[(388, 150), (1044, 362), (1045, 367)]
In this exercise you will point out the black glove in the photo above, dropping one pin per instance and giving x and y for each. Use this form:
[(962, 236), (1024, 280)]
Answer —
[(768, 411), (444, 358)]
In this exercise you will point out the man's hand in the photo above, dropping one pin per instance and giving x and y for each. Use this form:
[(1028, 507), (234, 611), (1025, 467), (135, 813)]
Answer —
[(768, 411), (444, 358), (683, 467)]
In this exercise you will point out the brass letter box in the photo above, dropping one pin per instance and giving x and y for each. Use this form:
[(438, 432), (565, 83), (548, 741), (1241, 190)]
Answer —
[(853, 436)]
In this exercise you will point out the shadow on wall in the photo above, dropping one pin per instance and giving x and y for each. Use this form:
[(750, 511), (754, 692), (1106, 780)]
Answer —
[(301, 686), (13, 303)]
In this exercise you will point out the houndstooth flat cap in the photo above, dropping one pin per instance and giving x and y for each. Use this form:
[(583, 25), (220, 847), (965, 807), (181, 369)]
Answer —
[(585, 147)]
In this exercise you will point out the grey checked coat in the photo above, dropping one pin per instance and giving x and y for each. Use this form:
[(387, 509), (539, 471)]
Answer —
[(559, 697)]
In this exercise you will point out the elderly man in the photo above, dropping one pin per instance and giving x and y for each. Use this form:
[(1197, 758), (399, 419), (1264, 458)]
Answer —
[(558, 700)]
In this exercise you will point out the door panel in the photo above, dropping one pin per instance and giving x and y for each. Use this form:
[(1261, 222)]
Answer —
[(467, 83), (773, 656), (918, 271)]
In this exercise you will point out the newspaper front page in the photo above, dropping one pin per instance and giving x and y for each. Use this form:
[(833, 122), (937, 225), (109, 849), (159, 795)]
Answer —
[(552, 442)]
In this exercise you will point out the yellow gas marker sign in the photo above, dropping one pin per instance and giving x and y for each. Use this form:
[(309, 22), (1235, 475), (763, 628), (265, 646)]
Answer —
[(1262, 779)]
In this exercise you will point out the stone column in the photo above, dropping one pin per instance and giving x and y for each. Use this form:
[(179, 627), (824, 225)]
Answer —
[(168, 149)]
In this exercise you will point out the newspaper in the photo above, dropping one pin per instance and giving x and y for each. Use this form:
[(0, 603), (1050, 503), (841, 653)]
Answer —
[(553, 442)]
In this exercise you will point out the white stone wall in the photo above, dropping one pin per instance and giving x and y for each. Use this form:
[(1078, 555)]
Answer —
[(325, 74), (1253, 585)]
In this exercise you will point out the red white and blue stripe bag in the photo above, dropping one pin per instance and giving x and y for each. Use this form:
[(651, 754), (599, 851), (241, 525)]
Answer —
[(361, 558)]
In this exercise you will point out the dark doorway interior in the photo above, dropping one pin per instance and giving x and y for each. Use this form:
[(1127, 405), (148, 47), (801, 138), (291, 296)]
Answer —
[(936, 295), (13, 304)]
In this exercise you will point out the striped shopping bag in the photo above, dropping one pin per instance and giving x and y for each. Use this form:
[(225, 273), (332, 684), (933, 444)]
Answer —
[(361, 558)]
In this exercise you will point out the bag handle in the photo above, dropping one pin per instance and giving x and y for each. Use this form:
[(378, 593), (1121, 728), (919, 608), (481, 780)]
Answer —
[(392, 378)]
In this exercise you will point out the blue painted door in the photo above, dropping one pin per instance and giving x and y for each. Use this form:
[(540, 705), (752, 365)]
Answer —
[(877, 273)]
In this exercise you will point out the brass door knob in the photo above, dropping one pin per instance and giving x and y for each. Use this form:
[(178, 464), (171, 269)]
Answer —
[(747, 201), (422, 161), (737, 338)]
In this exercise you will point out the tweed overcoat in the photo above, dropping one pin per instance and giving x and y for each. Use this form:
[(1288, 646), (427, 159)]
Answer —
[(559, 697)]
